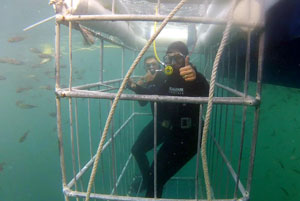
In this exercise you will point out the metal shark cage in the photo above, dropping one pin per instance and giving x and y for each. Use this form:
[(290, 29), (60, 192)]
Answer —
[(232, 132)]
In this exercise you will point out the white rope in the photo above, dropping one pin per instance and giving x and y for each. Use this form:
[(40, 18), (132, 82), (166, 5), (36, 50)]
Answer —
[(210, 100), (109, 118)]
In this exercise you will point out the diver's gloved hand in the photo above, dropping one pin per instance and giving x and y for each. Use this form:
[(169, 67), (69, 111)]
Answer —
[(130, 84), (149, 76), (187, 72)]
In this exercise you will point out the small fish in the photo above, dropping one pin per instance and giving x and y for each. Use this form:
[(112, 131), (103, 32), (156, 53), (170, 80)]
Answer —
[(16, 39), (45, 56), (2, 166), (52, 114), (11, 61), (285, 191), (281, 164), (33, 77), (45, 60), (2, 77), (35, 50), (22, 105), (296, 171), (294, 158), (47, 87), (22, 89), (23, 137)]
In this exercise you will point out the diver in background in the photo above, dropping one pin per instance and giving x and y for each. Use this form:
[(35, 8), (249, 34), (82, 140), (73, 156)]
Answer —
[(177, 123)]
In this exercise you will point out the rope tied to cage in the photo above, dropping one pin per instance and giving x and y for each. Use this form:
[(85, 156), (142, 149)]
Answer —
[(210, 99), (122, 87)]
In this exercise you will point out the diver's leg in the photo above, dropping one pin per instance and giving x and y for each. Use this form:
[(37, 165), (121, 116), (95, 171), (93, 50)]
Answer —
[(143, 144), (172, 156)]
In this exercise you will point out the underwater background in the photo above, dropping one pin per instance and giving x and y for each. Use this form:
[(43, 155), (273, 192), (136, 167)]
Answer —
[(29, 155)]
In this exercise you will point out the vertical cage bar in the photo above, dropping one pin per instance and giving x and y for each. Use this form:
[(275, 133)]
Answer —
[(70, 55), (58, 109), (256, 115), (90, 136), (155, 150), (218, 188), (226, 120), (113, 7), (90, 128), (113, 155), (198, 152), (77, 142), (247, 72), (57, 55), (101, 60), (72, 144), (123, 62), (70, 105)]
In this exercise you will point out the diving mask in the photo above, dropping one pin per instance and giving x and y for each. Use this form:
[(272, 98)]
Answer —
[(172, 59), (152, 67)]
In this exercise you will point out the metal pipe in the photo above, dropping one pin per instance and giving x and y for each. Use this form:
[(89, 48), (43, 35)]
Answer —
[(90, 162), (123, 65), (113, 154), (77, 142), (256, 116), (122, 173), (39, 23), (233, 91), (113, 6), (101, 61), (70, 55), (90, 129), (72, 143), (203, 100), (57, 56), (260, 65), (58, 108), (155, 149), (71, 193), (230, 169), (105, 83), (101, 37), (198, 152), (158, 18), (90, 136), (247, 75), (226, 119)]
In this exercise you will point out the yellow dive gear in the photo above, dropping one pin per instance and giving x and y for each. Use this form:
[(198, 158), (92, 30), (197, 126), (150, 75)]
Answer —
[(168, 70)]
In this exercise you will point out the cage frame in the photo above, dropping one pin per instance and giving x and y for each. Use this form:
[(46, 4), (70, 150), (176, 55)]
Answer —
[(80, 92)]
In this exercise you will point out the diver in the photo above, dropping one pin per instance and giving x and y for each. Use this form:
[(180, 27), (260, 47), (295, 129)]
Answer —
[(177, 123)]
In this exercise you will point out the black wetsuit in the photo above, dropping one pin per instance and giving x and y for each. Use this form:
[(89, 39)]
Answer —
[(177, 129)]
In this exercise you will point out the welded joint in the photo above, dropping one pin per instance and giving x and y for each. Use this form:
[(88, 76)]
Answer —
[(256, 101), (67, 191), (60, 18), (245, 197)]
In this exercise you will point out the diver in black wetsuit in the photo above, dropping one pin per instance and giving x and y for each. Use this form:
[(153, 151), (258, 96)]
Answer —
[(177, 123)]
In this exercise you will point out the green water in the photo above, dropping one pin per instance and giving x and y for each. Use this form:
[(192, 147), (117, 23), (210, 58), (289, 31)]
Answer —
[(29, 163)]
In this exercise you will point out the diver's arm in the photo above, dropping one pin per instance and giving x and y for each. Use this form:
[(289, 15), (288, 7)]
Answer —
[(200, 85), (138, 89)]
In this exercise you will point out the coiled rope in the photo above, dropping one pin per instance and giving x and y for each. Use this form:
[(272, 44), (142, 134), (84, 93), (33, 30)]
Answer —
[(112, 110), (210, 99)]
